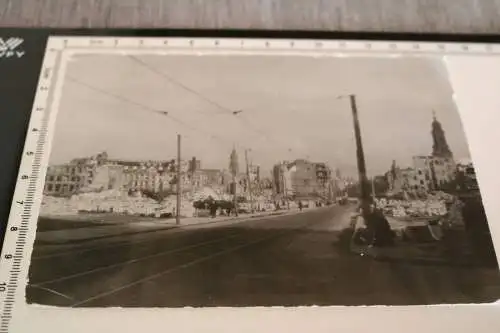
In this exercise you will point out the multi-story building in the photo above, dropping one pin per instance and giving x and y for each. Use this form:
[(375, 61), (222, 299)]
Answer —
[(69, 178), (99, 172), (410, 181), (443, 171), (429, 172), (324, 179), (467, 176), (149, 178), (282, 178), (405, 180), (302, 178), (66, 179), (422, 166), (211, 177), (304, 181)]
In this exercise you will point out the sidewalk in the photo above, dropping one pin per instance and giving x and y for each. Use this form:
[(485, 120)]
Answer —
[(69, 236)]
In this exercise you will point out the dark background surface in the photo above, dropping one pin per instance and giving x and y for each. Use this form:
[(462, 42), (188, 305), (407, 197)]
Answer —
[(454, 16), (18, 80)]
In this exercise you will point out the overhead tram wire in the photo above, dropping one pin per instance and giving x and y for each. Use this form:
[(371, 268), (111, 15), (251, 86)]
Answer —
[(170, 79), (180, 84), (224, 109), (148, 108), (226, 141)]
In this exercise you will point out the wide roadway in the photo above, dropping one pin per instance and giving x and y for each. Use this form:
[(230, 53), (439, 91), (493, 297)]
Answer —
[(274, 261)]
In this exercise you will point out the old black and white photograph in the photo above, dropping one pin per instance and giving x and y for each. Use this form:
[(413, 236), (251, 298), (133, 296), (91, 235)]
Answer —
[(245, 180)]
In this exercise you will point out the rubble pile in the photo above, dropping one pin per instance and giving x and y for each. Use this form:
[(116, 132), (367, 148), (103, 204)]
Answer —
[(413, 208), (136, 203), (114, 201), (57, 206)]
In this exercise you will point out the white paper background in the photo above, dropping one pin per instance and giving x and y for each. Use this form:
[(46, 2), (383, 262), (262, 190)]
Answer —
[(475, 80)]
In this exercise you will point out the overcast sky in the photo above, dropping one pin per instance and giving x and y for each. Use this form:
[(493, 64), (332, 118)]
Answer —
[(292, 100)]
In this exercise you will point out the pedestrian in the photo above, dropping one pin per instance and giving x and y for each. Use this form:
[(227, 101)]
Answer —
[(300, 205)]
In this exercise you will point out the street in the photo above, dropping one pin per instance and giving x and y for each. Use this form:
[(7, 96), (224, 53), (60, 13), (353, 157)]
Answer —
[(288, 260)]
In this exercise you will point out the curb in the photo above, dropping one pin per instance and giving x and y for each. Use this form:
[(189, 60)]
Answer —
[(84, 240)]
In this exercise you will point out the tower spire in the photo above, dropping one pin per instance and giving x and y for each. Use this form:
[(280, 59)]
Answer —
[(440, 146)]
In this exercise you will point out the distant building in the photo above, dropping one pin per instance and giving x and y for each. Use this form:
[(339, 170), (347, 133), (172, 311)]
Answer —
[(429, 172), (324, 179), (443, 166), (266, 183), (234, 167), (99, 172), (302, 178), (422, 166), (66, 179), (440, 146), (194, 165), (148, 178), (410, 181), (213, 177), (254, 171), (69, 178)]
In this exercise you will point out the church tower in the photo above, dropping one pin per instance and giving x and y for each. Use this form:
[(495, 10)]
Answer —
[(440, 146), (233, 163)]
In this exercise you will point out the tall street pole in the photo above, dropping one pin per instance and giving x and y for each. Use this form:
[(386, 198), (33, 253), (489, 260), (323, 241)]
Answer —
[(285, 186), (249, 186), (192, 168), (233, 168), (179, 188), (235, 198), (363, 179)]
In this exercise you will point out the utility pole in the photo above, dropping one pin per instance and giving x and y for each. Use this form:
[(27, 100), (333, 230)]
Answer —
[(249, 186), (233, 166), (179, 188), (285, 189), (363, 180)]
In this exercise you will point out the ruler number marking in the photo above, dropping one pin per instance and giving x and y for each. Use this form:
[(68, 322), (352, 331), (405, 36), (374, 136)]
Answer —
[(19, 229)]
